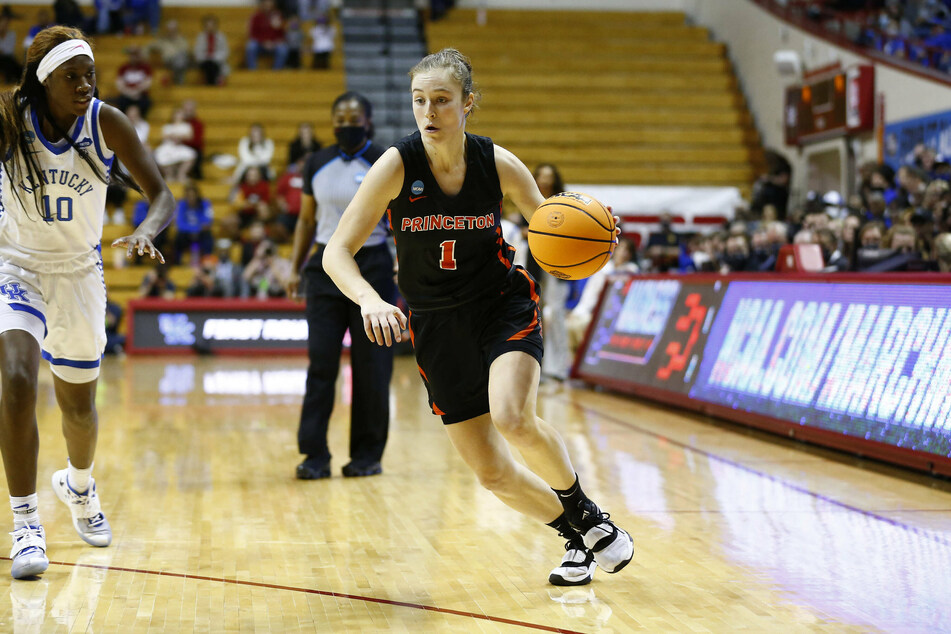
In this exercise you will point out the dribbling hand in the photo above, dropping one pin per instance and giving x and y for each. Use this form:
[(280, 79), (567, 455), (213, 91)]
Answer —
[(139, 243), (383, 323)]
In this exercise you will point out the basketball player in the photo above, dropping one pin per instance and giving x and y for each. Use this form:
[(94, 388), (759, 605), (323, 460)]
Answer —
[(473, 315), (59, 144), (331, 178)]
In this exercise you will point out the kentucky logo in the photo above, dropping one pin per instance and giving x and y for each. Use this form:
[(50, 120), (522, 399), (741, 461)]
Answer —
[(177, 329), (13, 292)]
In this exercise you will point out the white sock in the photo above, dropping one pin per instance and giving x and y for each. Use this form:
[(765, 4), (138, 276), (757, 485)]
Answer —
[(25, 511), (78, 479)]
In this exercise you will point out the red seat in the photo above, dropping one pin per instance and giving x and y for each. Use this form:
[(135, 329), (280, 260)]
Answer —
[(800, 257)]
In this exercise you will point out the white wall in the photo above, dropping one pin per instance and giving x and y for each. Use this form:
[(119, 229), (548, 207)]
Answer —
[(753, 35)]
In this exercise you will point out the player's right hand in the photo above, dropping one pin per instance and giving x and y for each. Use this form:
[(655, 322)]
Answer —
[(383, 322)]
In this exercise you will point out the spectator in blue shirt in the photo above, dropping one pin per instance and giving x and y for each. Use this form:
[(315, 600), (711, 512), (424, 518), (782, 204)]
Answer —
[(193, 223)]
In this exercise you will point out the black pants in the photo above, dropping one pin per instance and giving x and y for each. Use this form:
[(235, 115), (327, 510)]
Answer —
[(329, 315), (212, 71)]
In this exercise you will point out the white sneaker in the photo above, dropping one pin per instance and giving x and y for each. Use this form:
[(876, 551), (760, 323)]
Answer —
[(29, 552), (577, 567), (613, 547), (88, 519)]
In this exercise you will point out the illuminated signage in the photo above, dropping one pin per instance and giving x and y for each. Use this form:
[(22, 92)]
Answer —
[(866, 361)]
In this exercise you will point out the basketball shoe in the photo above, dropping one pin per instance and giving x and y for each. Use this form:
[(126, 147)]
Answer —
[(29, 552), (613, 548), (577, 566), (88, 519)]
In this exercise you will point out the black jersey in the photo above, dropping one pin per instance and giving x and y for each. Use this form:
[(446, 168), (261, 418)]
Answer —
[(450, 248)]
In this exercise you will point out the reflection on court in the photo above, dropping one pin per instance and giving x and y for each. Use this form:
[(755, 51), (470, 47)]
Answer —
[(213, 533)]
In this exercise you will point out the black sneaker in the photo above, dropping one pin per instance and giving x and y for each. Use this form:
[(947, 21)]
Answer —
[(613, 547), (313, 469), (577, 566), (351, 470)]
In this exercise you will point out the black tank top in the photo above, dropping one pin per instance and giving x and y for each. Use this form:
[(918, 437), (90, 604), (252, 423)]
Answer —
[(450, 248)]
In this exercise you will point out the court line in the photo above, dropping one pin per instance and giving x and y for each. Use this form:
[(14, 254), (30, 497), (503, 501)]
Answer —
[(323, 593), (786, 483)]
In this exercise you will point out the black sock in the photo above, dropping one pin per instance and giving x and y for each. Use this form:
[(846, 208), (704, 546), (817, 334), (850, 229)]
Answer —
[(563, 526), (572, 499)]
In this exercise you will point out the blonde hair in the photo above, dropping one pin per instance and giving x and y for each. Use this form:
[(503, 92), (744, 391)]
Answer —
[(458, 65)]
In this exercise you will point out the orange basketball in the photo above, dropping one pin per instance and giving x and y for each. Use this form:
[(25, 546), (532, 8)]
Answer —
[(571, 235)]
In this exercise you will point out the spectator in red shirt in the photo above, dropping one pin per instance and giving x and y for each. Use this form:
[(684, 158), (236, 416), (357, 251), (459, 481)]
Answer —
[(134, 81), (197, 142), (254, 198), (288, 191), (266, 35), (211, 51)]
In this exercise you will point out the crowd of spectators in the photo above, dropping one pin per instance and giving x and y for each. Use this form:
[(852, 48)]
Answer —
[(898, 220)]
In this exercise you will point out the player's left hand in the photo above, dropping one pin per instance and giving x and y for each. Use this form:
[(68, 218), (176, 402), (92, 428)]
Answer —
[(140, 243)]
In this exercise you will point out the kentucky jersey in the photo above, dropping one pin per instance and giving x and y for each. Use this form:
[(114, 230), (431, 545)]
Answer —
[(450, 248), (65, 231)]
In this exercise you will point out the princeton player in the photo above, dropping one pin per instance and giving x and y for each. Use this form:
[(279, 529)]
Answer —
[(59, 143), (473, 315)]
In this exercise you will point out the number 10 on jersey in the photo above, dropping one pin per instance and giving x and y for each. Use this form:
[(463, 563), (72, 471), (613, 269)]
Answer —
[(64, 209), (447, 261)]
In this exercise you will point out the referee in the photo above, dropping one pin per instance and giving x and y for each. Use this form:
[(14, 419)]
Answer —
[(331, 178)]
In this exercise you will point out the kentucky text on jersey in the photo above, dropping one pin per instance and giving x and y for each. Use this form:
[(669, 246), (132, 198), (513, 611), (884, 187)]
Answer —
[(58, 177), (438, 221)]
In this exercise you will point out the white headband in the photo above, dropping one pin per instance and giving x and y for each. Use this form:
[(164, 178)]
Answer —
[(61, 53)]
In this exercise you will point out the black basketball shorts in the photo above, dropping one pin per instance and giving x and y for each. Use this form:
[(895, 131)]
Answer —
[(454, 347)]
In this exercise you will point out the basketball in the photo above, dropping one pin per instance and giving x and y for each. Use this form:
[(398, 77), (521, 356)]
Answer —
[(571, 235)]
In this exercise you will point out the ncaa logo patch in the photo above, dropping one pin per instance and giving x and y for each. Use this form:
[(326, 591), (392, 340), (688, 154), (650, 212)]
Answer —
[(417, 188), (30, 136)]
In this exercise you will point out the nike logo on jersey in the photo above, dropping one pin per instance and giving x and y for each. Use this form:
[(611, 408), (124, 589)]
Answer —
[(413, 199)]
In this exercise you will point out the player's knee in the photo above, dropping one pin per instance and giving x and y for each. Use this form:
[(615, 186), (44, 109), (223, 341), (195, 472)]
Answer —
[(19, 388), (517, 425), (493, 477)]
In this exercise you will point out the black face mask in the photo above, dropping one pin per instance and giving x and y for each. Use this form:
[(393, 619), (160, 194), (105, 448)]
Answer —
[(350, 137)]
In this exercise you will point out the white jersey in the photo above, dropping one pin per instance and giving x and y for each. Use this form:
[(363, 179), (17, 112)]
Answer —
[(65, 233)]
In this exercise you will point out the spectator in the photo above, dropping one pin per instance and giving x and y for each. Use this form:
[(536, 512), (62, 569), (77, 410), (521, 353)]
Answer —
[(9, 62), (173, 156), (850, 226), (134, 81), (172, 47), (737, 254), (581, 315), (294, 38), (109, 16), (942, 250), (68, 13), (267, 272), (211, 52), (254, 150), (815, 219), (44, 19), (229, 274), (323, 39), (266, 35), (142, 15), (114, 341), (773, 187), (877, 209), (205, 283), (303, 144), (288, 195), (197, 140), (193, 219), (663, 247), (156, 284), (254, 199), (900, 238), (871, 234), (831, 254), (141, 126), (255, 234)]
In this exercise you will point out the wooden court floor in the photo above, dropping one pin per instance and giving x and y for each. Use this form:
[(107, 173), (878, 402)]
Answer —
[(734, 530)]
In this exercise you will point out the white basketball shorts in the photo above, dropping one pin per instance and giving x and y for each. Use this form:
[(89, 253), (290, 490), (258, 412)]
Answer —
[(65, 312)]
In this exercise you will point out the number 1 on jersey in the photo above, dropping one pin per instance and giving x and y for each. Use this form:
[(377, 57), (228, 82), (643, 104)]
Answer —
[(448, 259)]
